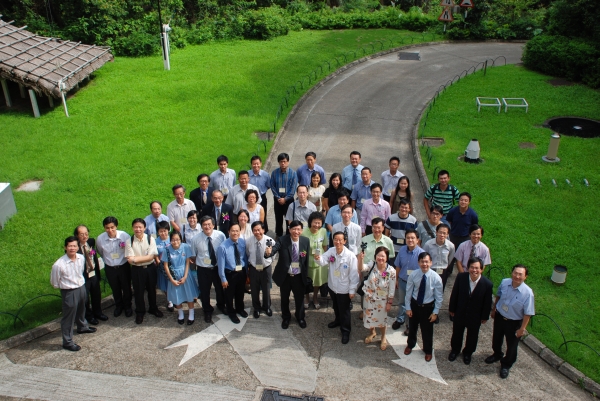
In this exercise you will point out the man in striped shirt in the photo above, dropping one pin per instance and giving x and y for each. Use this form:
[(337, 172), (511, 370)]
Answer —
[(442, 193)]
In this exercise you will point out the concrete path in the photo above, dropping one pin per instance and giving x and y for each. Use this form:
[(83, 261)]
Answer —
[(370, 107)]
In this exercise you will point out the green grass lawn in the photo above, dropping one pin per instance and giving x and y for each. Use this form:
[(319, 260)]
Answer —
[(135, 131), (539, 226)]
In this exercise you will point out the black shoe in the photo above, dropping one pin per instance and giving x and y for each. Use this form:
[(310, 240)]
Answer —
[(86, 331), (452, 356), (437, 320), (102, 317), (302, 323), (156, 313), (234, 318), (345, 338), (405, 332), (467, 359), (93, 321), (73, 347), (243, 313), (222, 309), (396, 325), (118, 311), (285, 324), (139, 318), (256, 314), (333, 324), (208, 318), (269, 312), (492, 358), (503, 373), (190, 322), (181, 321), (451, 318), (128, 312), (170, 308)]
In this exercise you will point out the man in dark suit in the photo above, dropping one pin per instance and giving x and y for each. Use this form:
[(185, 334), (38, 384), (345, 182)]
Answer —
[(87, 248), (470, 305), (202, 196), (221, 212), (291, 271)]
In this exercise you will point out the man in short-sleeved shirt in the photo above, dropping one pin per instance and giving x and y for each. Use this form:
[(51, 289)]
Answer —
[(375, 240), (305, 171), (406, 262), (334, 215), (237, 197), (372, 208), (362, 190), (352, 231), (442, 193), (461, 217), (154, 218), (397, 224), (260, 179), (389, 178), (178, 210), (223, 178), (301, 208)]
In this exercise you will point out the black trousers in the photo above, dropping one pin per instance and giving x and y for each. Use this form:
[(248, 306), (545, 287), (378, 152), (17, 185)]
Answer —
[(458, 331), (444, 276), (280, 212), (235, 290), (264, 203), (119, 279), (293, 284), (506, 328), (208, 277), (93, 293), (341, 308), (144, 278), (260, 282), (420, 317)]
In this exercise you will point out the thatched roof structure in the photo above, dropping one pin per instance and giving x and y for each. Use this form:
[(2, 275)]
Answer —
[(47, 65)]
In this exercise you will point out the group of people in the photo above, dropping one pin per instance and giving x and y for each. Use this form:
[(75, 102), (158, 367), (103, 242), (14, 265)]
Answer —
[(342, 238)]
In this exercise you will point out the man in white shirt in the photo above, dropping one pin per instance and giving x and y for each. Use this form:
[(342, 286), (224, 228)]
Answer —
[(140, 251), (237, 195), (442, 252), (111, 246), (389, 178), (352, 231), (223, 179), (343, 281), (301, 208), (67, 274), (259, 269), (178, 209)]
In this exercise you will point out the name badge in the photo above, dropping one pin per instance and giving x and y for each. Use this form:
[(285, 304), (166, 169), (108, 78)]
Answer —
[(238, 268), (295, 265), (153, 236), (382, 293), (259, 267), (282, 190), (505, 308), (400, 241), (91, 274), (337, 273), (182, 220), (225, 190), (206, 261), (115, 255), (409, 272), (362, 200)]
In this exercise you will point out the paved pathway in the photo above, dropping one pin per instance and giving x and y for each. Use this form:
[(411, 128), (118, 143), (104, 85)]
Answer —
[(371, 107)]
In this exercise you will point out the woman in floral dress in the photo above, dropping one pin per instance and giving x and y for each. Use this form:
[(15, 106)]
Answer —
[(379, 294)]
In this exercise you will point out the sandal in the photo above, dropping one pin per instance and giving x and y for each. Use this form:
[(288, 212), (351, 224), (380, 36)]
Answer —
[(317, 306), (370, 338), (383, 344)]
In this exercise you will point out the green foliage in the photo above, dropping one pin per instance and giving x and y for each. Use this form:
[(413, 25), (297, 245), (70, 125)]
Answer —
[(572, 58), (522, 220), (575, 18), (266, 23)]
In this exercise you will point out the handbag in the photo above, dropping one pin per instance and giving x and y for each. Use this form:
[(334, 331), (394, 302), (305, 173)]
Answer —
[(324, 290), (359, 290)]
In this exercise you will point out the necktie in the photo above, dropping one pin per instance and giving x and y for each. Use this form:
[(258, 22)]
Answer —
[(211, 252), (156, 227), (236, 253), (472, 251), (259, 254), (346, 237), (204, 197), (354, 178), (421, 294), (88, 261), (294, 253), (218, 210)]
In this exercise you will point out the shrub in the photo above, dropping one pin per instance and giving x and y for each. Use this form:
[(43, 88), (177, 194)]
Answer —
[(137, 43), (265, 23)]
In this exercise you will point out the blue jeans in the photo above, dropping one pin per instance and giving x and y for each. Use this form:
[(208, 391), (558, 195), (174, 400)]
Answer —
[(402, 295)]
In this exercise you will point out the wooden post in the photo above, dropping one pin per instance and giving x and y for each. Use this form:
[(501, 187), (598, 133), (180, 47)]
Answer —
[(22, 91), (6, 93), (34, 104), (51, 101)]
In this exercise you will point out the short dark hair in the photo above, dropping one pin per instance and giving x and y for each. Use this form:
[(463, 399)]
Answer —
[(377, 220), (355, 152), (177, 186), (411, 230), (376, 185), (222, 158), (315, 216), (468, 195), (250, 192), (518, 265), (300, 186), (436, 208), (475, 227), (153, 202), (346, 206), (394, 158), (443, 172), (193, 213), (138, 220), (110, 219), (404, 201), (255, 157), (206, 218), (76, 231), (313, 154), (366, 169), (442, 225), (380, 249), (257, 223), (343, 193), (174, 233), (475, 260), (296, 223), (70, 239), (243, 172), (338, 233), (163, 225), (233, 225), (423, 255), (201, 176), (244, 211), (283, 156)]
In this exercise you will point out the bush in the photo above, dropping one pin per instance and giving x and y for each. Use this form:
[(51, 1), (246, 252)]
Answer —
[(137, 43), (266, 23), (574, 59)]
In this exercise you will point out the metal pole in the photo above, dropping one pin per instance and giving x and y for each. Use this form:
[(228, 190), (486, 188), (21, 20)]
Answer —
[(6, 93)]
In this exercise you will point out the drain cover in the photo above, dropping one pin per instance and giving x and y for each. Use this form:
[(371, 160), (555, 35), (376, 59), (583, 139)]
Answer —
[(274, 395), (409, 56)]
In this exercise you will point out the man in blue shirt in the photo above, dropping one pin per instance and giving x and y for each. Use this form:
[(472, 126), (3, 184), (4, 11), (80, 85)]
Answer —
[(260, 179), (362, 190), (154, 218), (406, 263), (424, 295), (512, 310), (351, 173), (233, 265), (305, 171), (283, 186)]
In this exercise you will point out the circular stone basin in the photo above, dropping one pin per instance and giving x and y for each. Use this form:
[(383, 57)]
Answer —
[(574, 126)]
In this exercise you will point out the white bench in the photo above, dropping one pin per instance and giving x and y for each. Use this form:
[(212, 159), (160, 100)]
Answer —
[(484, 102), (515, 102)]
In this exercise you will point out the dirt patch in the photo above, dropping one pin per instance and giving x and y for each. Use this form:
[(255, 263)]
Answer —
[(560, 82), (527, 145), (30, 186)]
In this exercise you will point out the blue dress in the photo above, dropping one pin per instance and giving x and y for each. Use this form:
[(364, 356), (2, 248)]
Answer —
[(163, 281), (189, 290)]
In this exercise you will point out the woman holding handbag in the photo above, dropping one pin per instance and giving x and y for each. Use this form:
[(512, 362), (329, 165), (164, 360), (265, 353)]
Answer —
[(378, 288)]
